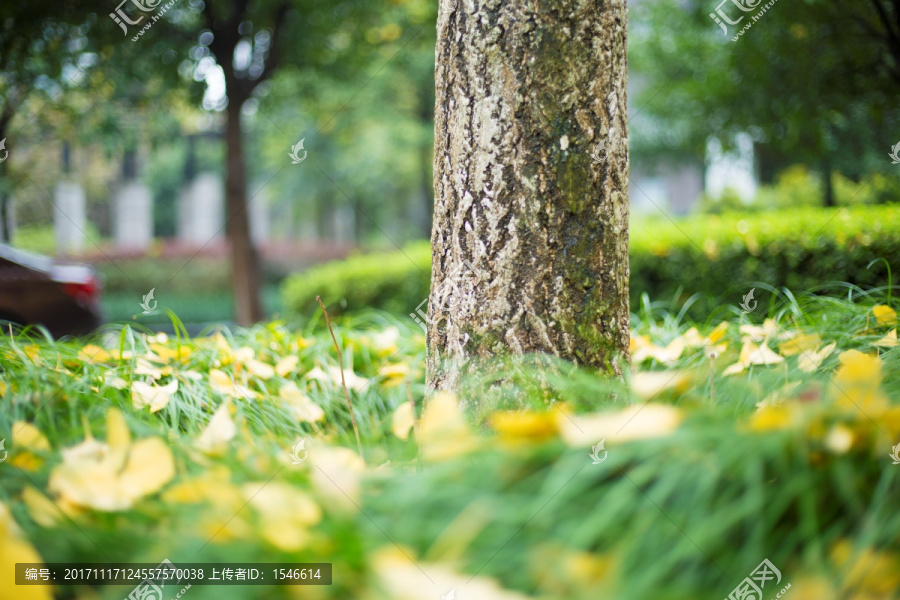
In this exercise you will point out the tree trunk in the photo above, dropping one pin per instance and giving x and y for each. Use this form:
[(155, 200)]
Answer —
[(827, 183), (245, 275), (5, 221), (530, 237)]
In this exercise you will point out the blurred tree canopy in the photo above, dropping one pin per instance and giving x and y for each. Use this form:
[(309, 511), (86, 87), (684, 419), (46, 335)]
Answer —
[(811, 81)]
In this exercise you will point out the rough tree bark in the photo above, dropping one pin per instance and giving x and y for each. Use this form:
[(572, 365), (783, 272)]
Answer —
[(530, 234)]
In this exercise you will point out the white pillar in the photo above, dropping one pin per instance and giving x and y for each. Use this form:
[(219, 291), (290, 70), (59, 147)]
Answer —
[(344, 229), (260, 222), (69, 218), (133, 209), (201, 210)]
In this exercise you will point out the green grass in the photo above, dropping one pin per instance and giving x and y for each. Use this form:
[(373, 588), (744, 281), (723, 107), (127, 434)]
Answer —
[(685, 511)]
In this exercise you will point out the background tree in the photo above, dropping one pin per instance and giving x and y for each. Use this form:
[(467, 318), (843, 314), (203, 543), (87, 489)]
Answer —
[(43, 52), (526, 92), (810, 83)]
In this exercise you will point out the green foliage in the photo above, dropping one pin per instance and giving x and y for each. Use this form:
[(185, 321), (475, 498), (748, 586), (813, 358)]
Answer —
[(801, 249), (396, 282), (710, 255), (809, 84), (797, 186), (42, 239)]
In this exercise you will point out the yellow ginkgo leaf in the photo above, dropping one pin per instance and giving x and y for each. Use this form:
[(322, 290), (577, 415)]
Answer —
[(29, 437), (520, 426), (115, 354), (385, 342), (403, 420), (220, 430), (771, 417), (800, 343), (220, 382), (353, 381), (93, 354), (156, 397), (400, 578), (666, 355), (145, 367), (839, 439), (884, 314), (395, 374), (857, 368), (336, 475), (751, 354), (810, 361), (873, 572), (166, 354), (285, 513), (14, 548), (718, 333), (40, 508), (112, 476), (213, 486), (27, 443), (301, 407), (443, 430), (758, 333), (286, 366), (260, 369), (647, 384), (637, 422), (888, 341)]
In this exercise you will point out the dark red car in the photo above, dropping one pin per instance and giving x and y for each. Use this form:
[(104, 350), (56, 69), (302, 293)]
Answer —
[(38, 290)]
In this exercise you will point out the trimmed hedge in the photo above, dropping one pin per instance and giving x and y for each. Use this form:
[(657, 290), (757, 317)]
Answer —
[(802, 249), (716, 256), (395, 281)]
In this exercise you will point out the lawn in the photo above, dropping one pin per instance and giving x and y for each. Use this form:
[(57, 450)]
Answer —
[(745, 438)]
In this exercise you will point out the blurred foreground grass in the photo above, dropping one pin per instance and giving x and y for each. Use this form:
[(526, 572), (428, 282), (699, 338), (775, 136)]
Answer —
[(731, 442)]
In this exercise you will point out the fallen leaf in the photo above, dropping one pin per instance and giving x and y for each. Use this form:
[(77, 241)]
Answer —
[(220, 382), (810, 361), (156, 397), (403, 420), (286, 366), (336, 475), (888, 341), (112, 476), (647, 384), (839, 439), (301, 407), (260, 369), (771, 418), (394, 374), (885, 315), (220, 430), (443, 430), (633, 423), (354, 381), (27, 443), (800, 343), (518, 426), (401, 578), (92, 354), (14, 548), (284, 512)]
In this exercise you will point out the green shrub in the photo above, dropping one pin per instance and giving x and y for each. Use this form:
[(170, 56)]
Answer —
[(797, 186), (395, 281), (801, 249), (710, 255)]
